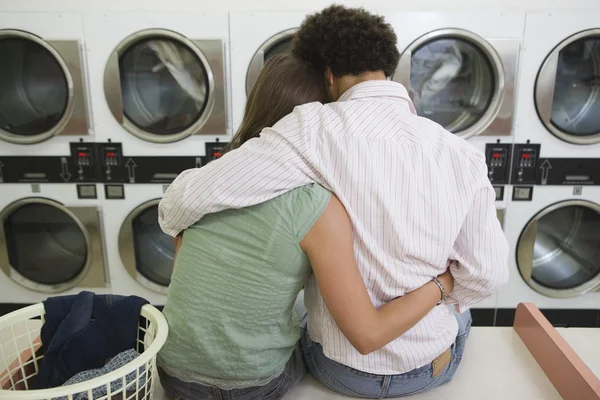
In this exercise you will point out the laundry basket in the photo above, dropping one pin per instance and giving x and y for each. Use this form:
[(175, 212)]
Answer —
[(21, 354)]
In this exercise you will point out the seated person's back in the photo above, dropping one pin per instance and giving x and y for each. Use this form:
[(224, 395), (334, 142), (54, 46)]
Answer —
[(249, 268)]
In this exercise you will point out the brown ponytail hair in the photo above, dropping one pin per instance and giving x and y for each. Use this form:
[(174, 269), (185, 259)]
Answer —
[(285, 82)]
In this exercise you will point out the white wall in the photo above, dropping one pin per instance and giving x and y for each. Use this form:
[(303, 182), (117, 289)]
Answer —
[(263, 5)]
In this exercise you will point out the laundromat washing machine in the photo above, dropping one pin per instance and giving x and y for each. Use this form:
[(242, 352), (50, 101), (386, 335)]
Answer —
[(555, 251), (559, 95), (256, 37), (460, 70), (553, 220), (159, 96), (158, 80), (51, 242), (140, 255), (44, 103)]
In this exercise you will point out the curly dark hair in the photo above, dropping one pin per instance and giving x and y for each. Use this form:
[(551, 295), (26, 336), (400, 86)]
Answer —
[(349, 41)]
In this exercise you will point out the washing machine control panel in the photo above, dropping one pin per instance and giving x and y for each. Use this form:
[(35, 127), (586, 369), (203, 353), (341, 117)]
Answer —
[(110, 168), (83, 161), (111, 156), (78, 167), (498, 159), (529, 168), (525, 162), (214, 150), (119, 167), (102, 162)]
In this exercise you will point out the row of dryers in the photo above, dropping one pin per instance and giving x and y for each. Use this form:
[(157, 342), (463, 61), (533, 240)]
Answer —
[(523, 88), (60, 240), (105, 237), (146, 79), (143, 80)]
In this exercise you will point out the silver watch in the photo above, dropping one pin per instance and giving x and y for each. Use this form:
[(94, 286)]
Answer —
[(437, 282)]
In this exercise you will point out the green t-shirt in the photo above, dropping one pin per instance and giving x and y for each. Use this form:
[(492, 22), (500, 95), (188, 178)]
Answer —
[(232, 293)]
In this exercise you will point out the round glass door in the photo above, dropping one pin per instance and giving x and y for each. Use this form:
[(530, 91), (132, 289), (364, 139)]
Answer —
[(164, 85), (456, 79), (34, 88), (278, 44), (575, 111), (282, 46), (558, 253), (46, 245), (154, 251)]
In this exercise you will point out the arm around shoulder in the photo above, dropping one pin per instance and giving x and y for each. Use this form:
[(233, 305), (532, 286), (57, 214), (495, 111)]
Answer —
[(260, 170)]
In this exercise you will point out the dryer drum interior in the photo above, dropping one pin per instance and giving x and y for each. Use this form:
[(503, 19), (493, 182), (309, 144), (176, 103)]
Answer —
[(575, 109), (159, 85), (558, 253), (277, 44), (35, 86), (153, 257), (46, 245), (452, 81), (164, 85)]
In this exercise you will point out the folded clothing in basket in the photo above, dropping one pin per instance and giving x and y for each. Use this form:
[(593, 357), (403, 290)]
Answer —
[(83, 331), (115, 363)]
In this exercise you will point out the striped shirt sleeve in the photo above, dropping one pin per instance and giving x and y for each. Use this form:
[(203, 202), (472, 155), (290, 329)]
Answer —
[(261, 169), (481, 251)]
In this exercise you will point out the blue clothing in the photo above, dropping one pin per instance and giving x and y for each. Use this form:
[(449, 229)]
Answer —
[(116, 386), (84, 331), (276, 389), (351, 382)]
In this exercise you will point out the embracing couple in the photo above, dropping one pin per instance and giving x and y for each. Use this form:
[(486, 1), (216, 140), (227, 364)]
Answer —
[(332, 184)]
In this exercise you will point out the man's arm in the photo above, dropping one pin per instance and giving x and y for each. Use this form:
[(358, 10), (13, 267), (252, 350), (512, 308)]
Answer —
[(480, 251), (260, 170)]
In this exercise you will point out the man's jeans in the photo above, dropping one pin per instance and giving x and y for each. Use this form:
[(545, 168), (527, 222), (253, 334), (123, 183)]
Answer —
[(351, 382), (294, 371)]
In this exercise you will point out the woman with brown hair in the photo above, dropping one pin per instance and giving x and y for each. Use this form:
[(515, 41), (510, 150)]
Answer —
[(232, 326)]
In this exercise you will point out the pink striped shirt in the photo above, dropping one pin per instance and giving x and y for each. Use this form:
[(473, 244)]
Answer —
[(417, 196)]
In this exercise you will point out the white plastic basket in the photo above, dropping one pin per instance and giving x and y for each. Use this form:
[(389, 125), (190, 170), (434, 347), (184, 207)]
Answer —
[(19, 363)]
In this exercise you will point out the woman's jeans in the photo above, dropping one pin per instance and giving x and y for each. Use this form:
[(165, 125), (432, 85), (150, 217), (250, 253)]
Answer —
[(294, 371), (351, 382)]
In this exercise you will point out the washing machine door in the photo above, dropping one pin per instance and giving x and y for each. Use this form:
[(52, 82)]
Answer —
[(277, 44), (50, 248), (567, 90), (147, 253), (36, 89), (558, 253), (160, 86), (454, 78)]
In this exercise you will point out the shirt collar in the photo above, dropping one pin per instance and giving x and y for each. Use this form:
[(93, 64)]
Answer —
[(379, 89)]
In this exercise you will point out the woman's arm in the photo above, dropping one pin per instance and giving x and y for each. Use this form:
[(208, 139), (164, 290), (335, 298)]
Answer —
[(177, 241), (329, 247)]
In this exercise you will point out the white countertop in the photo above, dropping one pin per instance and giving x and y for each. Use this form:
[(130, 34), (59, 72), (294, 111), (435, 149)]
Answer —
[(586, 343), (496, 366)]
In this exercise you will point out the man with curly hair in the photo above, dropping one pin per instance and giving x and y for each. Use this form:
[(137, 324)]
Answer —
[(417, 196)]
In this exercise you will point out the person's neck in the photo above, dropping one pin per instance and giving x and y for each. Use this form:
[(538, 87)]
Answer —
[(347, 81)]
